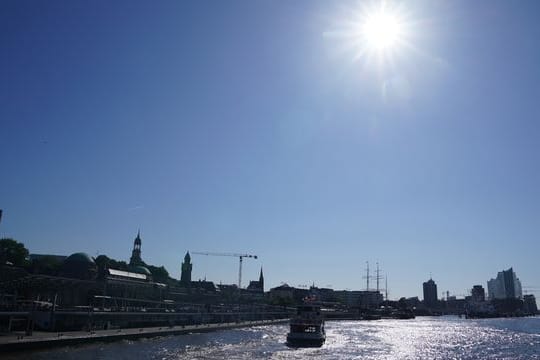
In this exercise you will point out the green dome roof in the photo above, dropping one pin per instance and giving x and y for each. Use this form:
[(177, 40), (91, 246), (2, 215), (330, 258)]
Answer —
[(79, 266), (139, 269), (80, 258)]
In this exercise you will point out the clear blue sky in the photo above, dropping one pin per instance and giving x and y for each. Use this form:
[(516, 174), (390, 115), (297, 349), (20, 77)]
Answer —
[(260, 127)]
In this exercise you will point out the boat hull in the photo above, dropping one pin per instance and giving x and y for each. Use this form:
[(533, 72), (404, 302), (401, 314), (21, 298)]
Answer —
[(301, 341), (307, 327)]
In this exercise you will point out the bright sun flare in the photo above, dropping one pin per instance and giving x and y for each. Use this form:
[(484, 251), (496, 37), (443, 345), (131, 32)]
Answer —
[(381, 30)]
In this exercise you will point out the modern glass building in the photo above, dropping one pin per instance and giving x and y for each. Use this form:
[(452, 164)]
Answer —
[(505, 286)]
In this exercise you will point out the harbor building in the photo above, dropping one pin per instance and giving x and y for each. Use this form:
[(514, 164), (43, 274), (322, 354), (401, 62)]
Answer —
[(530, 306), (363, 299), (61, 293), (505, 286), (478, 294), (283, 294), (430, 293)]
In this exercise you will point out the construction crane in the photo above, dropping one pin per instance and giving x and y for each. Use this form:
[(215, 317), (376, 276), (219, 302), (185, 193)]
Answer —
[(240, 256)]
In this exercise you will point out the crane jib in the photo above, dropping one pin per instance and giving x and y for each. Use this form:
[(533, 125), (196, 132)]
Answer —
[(239, 256)]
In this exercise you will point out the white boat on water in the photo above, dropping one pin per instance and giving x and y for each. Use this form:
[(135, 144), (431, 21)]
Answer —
[(307, 327)]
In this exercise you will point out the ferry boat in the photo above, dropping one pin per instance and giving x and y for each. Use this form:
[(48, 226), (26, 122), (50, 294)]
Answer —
[(307, 327)]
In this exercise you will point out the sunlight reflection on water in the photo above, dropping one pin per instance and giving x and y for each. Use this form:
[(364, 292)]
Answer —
[(421, 338)]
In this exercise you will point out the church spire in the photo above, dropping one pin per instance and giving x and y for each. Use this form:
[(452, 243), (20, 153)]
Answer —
[(261, 280), (136, 253)]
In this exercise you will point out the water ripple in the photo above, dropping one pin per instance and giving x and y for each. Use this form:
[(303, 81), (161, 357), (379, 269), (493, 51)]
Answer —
[(421, 338)]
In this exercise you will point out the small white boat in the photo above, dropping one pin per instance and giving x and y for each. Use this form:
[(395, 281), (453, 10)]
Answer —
[(307, 327)]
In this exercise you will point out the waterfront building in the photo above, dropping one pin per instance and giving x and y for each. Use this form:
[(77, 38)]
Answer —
[(74, 284), (187, 266), (282, 294), (505, 286), (478, 294), (453, 305), (359, 298), (495, 289), (80, 282), (204, 286), (139, 269), (529, 302), (413, 302), (79, 266), (323, 294), (430, 293)]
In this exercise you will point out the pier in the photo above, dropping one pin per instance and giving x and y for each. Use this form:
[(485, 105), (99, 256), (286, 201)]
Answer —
[(19, 341)]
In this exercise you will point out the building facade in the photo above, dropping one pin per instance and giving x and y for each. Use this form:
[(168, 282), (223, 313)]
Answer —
[(363, 299), (430, 293), (505, 286), (478, 294), (530, 306)]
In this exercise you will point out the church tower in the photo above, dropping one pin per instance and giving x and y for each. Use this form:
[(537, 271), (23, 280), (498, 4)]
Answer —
[(261, 280), (136, 253), (185, 278)]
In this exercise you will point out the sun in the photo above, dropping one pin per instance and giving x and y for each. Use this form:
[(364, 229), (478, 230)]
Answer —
[(377, 32), (381, 30)]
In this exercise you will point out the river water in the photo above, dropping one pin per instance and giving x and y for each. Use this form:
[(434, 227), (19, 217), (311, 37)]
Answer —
[(421, 338)]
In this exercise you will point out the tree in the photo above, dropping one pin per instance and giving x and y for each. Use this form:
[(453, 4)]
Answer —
[(102, 261), (48, 265), (160, 274), (118, 265), (13, 251), (402, 303)]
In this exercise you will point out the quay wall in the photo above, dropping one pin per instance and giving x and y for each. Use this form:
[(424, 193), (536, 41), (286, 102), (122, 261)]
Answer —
[(10, 343), (101, 319)]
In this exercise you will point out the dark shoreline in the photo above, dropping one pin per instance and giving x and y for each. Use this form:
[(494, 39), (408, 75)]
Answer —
[(40, 340)]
